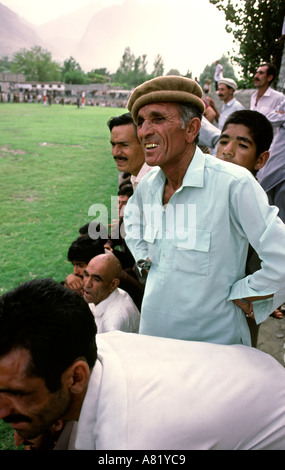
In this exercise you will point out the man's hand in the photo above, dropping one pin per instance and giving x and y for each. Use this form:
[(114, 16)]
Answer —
[(246, 307), (75, 283)]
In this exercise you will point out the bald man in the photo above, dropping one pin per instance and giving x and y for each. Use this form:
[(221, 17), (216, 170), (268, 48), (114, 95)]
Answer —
[(112, 307)]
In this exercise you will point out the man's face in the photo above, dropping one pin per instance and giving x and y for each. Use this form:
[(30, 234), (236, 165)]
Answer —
[(126, 149), (98, 283), (25, 401), (237, 146), (261, 78), (122, 201), (78, 268), (225, 93), (161, 135)]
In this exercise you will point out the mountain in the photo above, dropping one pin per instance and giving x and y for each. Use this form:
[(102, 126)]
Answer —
[(63, 34), (114, 28), (97, 34), (16, 33)]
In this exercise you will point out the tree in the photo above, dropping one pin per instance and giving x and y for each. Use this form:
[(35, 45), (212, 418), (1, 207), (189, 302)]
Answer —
[(256, 27), (72, 72), (209, 70), (36, 64), (126, 66), (5, 64), (158, 66)]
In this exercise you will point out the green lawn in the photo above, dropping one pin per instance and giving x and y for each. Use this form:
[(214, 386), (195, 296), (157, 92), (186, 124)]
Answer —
[(55, 162)]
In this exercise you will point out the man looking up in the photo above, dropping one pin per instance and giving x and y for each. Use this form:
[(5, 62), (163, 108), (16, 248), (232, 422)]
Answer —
[(128, 153), (191, 221)]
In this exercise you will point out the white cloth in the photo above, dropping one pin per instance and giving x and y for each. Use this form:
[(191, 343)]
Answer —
[(218, 72), (227, 110), (152, 393), (143, 171), (269, 101), (209, 134), (117, 312), (274, 170)]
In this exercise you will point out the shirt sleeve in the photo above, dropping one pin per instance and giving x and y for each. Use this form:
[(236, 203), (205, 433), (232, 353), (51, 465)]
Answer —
[(133, 221), (260, 224)]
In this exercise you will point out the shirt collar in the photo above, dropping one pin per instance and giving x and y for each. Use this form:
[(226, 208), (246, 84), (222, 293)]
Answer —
[(194, 175), (102, 306), (230, 103)]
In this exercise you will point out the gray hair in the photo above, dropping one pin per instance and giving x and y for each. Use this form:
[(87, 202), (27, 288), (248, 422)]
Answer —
[(187, 112)]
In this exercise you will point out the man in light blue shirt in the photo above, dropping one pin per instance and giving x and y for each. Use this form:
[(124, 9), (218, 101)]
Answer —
[(192, 220)]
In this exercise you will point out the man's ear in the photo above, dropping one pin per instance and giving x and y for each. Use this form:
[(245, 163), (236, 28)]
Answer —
[(77, 376), (192, 129), (115, 283), (261, 160)]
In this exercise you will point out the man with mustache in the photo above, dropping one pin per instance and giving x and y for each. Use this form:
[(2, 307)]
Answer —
[(265, 99), (271, 103), (127, 391), (226, 89), (126, 149), (190, 222)]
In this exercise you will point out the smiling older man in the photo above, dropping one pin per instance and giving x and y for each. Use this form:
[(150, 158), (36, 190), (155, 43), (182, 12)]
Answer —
[(191, 222)]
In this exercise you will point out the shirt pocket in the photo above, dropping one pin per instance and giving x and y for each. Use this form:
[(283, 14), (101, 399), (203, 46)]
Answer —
[(151, 234), (194, 257)]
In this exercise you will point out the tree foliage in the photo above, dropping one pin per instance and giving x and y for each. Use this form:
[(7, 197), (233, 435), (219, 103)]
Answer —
[(72, 72), (256, 26), (209, 70), (36, 64), (133, 70)]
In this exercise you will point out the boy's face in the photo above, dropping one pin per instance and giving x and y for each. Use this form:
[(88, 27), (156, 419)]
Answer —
[(237, 146)]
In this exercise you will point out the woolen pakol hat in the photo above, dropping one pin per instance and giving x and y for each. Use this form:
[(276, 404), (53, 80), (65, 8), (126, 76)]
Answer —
[(229, 82), (166, 89)]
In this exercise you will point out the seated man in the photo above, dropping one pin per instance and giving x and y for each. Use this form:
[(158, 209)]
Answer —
[(136, 392), (81, 251), (112, 307)]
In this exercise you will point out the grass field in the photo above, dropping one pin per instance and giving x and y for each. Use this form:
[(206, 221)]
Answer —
[(55, 162)]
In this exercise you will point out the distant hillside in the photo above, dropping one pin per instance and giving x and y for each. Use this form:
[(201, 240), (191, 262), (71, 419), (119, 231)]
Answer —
[(97, 34), (15, 33)]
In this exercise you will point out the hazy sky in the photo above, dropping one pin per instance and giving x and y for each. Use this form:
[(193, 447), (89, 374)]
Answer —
[(33, 10), (209, 27)]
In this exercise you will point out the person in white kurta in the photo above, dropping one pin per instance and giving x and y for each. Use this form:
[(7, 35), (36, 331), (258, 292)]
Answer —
[(117, 312), (150, 393), (112, 307)]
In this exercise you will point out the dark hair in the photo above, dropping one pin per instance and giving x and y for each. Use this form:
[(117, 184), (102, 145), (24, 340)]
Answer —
[(53, 323), (84, 229), (121, 120), (85, 248), (126, 190), (271, 70), (258, 125)]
